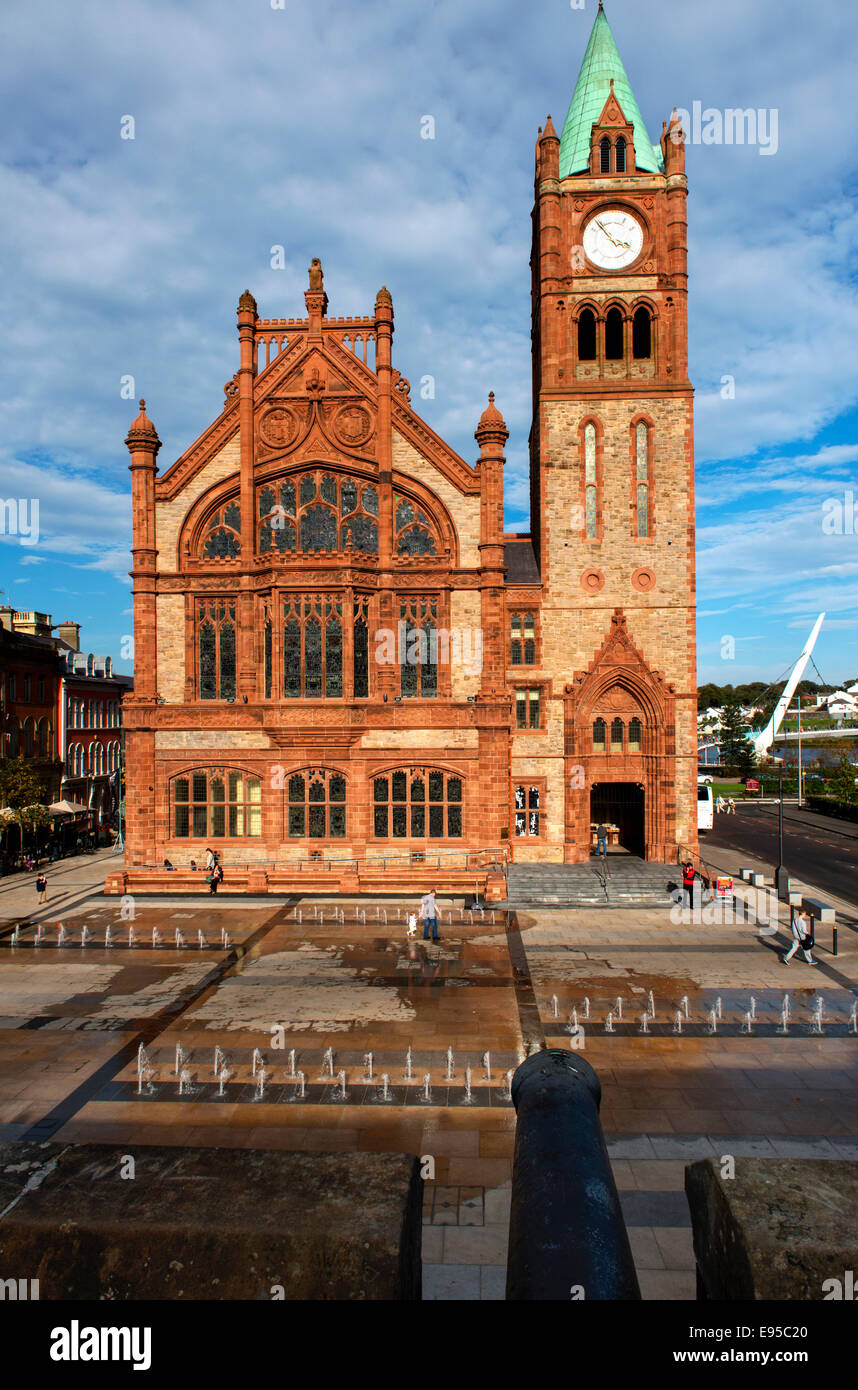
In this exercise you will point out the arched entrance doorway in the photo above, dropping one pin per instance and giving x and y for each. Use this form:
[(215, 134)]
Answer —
[(621, 804)]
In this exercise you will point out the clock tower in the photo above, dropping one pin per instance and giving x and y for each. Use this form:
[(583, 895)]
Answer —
[(612, 465)]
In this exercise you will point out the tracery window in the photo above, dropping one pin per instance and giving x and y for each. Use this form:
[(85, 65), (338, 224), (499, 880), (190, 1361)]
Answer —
[(318, 512), (634, 736), (617, 730), (417, 803), (313, 647), (604, 155), (414, 530), (216, 803), (522, 646), (621, 155), (591, 515), (599, 735), (216, 648), (223, 541), (316, 805), (642, 479), (418, 628)]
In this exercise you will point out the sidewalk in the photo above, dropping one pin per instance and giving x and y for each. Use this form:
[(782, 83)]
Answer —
[(70, 882)]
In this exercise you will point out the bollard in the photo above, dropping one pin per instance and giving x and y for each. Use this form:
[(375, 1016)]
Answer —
[(567, 1237), (834, 941)]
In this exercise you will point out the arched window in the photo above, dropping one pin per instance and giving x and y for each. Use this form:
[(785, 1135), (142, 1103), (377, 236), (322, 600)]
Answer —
[(614, 335), (216, 803), (604, 155), (318, 512), (621, 155), (586, 336), (616, 735), (216, 649), (418, 619), (417, 803), (599, 735), (641, 333), (316, 805), (634, 735), (29, 737), (641, 479), (591, 515), (223, 541), (44, 737), (414, 533)]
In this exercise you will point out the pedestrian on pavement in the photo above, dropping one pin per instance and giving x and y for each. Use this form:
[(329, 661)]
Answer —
[(429, 913), (688, 883), (602, 840), (216, 878), (802, 938), (731, 807), (721, 804), (210, 860), (42, 888)]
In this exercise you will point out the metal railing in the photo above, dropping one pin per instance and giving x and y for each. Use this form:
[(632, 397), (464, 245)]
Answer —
[(494, 859)]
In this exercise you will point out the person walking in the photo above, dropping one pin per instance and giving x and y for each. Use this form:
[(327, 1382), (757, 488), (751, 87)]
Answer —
[(731, 807), (802, 938), (429, 913), (720, 805), (602, 840), (688, 883), (42, 888), (216, 878), (210, 860)]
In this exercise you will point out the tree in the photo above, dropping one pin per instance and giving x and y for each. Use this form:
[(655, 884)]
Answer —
[(20, 785), (736, 749), (844, 779)]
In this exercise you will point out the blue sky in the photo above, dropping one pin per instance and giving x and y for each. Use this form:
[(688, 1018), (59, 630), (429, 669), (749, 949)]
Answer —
[(300, 127)]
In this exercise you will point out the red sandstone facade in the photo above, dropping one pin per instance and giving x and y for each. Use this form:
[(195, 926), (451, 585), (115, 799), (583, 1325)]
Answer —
[(287, 564)]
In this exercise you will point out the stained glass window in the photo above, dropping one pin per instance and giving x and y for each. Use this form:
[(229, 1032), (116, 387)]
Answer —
[(635, 736), (599, 735), (417, 804), (216, 649), (617, 728), (223, 541), (527, 709), (590, 482), (360, 649), (522, 647), (316, 805), (313, 647), (216, 804), (414, 531), (418, 656), (301, 514), (642, 477)]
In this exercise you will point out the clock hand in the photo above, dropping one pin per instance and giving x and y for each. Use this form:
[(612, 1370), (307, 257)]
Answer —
[(603, 228)]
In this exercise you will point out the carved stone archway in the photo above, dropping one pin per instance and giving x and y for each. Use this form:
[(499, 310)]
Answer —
[(636, 707)]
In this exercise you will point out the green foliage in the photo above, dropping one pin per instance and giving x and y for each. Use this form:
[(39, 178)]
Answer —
[(843, 782), (736, 751), (20, 785)]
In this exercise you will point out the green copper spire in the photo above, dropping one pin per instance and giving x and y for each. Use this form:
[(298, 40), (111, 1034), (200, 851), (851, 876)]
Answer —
[(601, 63)]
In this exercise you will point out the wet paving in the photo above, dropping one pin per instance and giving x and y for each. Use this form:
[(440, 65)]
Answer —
[(367, 1038)]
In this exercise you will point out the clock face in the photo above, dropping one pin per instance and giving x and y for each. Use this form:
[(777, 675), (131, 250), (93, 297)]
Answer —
[(613, 238)]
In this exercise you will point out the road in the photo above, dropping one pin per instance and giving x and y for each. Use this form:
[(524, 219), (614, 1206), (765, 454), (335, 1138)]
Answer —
[(813, 851)]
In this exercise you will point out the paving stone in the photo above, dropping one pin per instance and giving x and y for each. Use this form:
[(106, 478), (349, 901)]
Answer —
[(449, 1283)]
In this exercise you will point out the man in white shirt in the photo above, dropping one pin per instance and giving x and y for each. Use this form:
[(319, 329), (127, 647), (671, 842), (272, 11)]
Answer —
[(429, 913), (801, 937)]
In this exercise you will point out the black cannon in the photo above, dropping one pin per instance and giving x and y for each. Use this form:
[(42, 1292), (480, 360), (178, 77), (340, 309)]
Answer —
[(567, 1237)]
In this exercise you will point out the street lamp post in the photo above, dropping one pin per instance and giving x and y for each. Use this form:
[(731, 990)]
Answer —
[(781, 875)]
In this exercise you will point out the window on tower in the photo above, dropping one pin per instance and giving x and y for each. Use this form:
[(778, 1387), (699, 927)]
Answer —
[(604, 155), (642, 479), (587, 336), (591, 510), (641, 333), (614, 335), (621, 155)]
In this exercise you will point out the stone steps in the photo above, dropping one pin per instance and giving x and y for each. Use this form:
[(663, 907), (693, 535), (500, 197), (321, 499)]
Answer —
[(629, 883)]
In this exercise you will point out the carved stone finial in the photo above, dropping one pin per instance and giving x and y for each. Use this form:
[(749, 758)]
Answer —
[(317, 279), (247, 302)]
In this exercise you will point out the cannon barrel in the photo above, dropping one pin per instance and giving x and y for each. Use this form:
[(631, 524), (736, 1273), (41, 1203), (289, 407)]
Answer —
[(567, 1237)]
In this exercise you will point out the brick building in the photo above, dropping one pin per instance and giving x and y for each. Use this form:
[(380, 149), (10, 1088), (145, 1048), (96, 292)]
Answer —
[(340, 653), (29, 695)]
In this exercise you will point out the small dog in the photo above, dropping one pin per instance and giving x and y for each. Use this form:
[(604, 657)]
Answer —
[(412, 924)]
